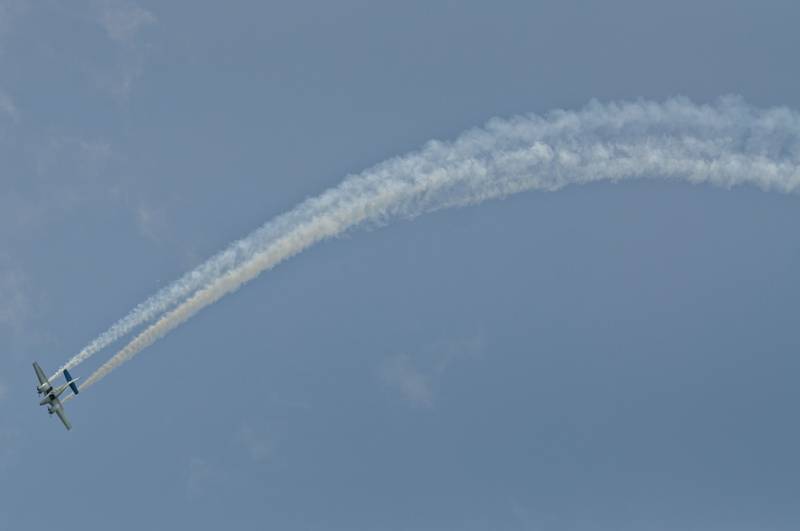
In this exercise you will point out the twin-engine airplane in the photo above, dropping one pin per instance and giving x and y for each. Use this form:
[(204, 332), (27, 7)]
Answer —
[(51, 393)]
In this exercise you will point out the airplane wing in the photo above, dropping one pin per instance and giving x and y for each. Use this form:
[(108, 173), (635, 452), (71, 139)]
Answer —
[(63, 417), (39, 373)]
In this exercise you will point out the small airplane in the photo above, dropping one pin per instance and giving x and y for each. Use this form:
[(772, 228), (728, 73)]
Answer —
[(51, 394)]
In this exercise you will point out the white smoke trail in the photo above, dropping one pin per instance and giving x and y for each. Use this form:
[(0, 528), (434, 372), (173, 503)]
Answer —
[(153, 307), (169, 296), (726, 144)]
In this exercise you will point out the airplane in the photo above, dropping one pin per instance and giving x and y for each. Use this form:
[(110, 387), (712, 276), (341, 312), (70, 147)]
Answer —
[(51, 394)]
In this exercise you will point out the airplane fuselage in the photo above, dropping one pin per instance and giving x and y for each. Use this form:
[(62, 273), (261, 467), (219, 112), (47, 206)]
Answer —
[(52, 395)]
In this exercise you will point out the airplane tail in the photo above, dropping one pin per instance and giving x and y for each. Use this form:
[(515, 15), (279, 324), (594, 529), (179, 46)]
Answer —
[(71, 381)]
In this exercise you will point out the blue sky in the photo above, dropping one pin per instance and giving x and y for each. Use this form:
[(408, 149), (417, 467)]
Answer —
[(605, 357)]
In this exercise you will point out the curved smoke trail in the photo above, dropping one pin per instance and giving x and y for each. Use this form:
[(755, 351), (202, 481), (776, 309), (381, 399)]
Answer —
[(726, 144), (176, 292)]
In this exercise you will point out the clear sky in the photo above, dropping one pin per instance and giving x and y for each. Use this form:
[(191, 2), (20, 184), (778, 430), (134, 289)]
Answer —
[(606, 357)]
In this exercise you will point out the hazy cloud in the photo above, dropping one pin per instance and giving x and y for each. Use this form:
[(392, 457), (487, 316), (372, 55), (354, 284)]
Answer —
[(21, 304), (47, 180), (123, 21), (200, 474), (7, 106), (259, 445), (10, 441), (152, 222), (70, 171), (417, 377), (87, 158), (398, 373), (52, 178), (9, 11), (15, 301)]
